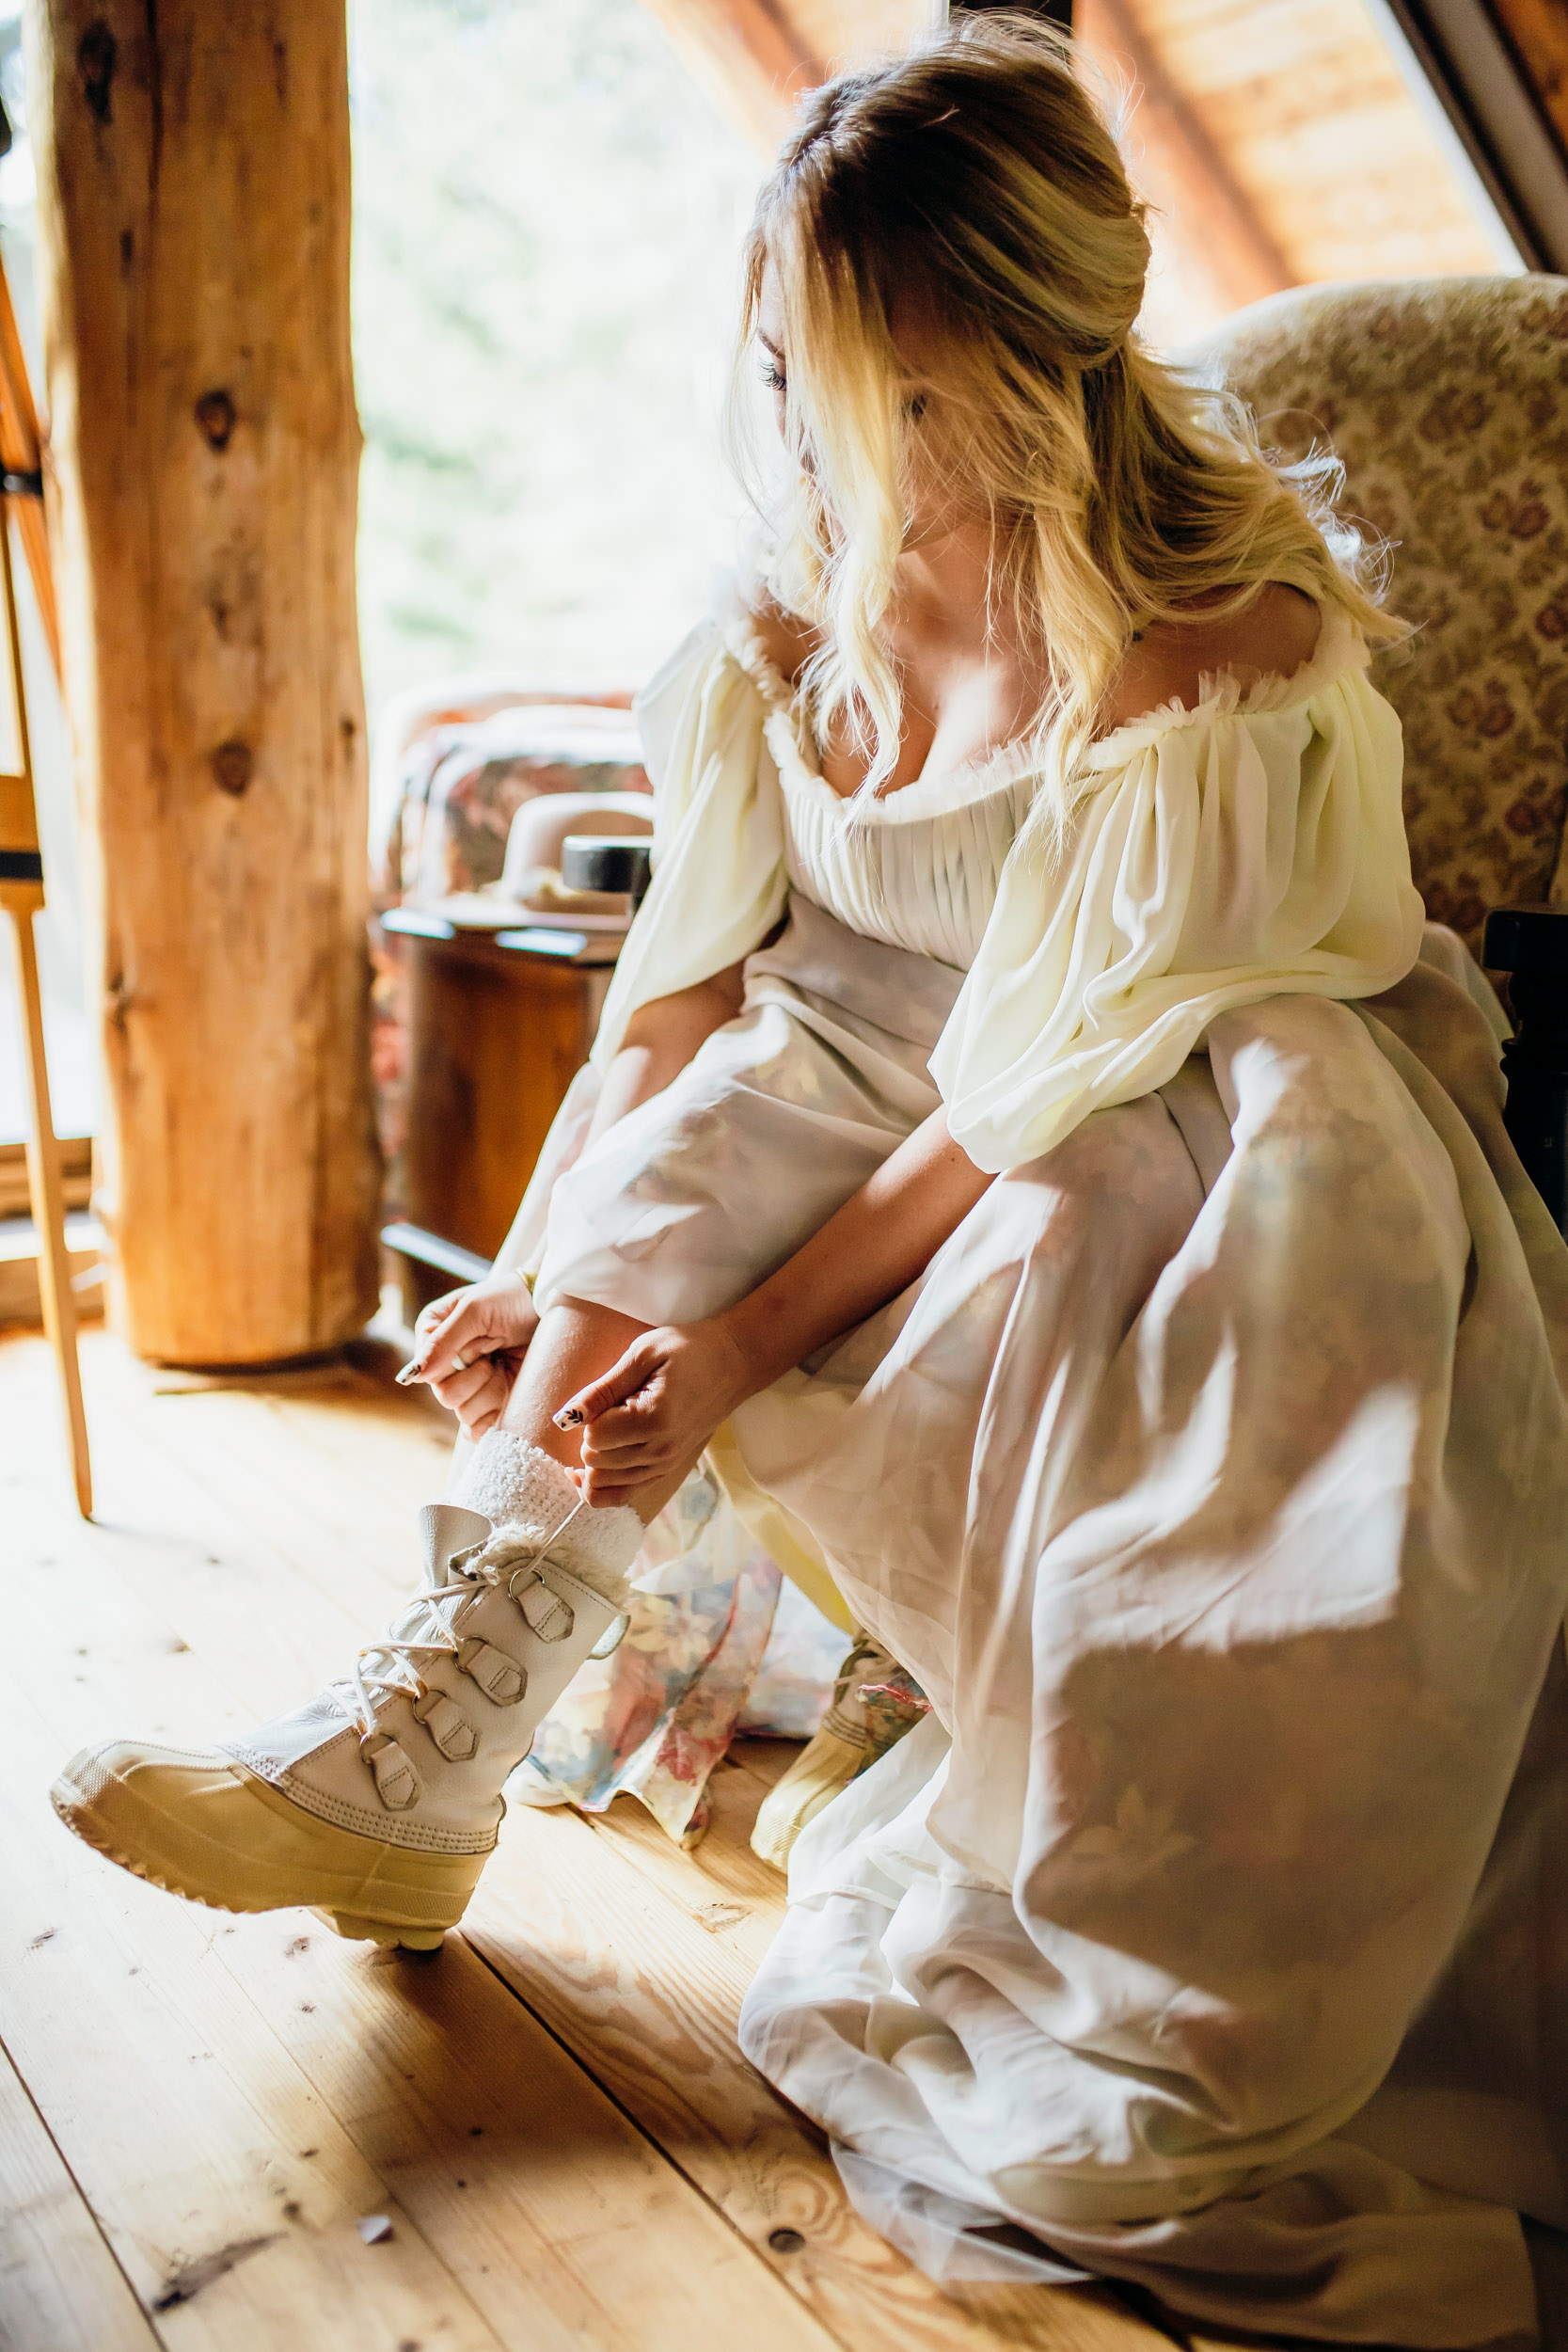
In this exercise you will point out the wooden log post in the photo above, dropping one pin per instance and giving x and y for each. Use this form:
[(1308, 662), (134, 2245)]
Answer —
[(192, 166)]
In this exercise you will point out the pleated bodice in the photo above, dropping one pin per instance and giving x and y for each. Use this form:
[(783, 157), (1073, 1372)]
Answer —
[(918, 870)]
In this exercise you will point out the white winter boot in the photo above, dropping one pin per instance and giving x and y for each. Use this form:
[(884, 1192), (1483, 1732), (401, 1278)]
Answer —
[(377, 1801), (875, 1702)]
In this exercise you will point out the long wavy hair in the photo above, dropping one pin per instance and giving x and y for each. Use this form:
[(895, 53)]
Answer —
[(961, 262)]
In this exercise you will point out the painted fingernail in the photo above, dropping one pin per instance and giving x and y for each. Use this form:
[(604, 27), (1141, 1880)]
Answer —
[(460, 1363), (569, 1418), (410, 1372)]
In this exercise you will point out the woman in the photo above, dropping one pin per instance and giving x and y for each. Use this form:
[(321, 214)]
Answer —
[(1025, 1114)]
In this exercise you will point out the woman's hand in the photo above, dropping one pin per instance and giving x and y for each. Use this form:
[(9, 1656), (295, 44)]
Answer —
[(471, 1345), (645, 1423), (650, 1416)]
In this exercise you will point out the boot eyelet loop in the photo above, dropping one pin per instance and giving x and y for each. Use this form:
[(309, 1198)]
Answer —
[(397, 1783), (447, 1725), (503, 1680), (544, 1611)]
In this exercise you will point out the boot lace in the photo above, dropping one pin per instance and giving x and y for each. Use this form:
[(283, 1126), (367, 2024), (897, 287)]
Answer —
[(388, 1667)]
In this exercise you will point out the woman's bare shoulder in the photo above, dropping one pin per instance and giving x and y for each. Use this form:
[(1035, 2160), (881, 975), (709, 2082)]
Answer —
[(786, 639), (1275, 635)]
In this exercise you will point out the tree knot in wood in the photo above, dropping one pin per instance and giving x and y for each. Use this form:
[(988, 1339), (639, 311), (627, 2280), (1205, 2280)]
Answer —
[(217, 416), (96, 53), (233, 765)]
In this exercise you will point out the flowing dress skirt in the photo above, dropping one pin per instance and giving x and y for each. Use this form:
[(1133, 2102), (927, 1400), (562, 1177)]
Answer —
[(1212, 1480)]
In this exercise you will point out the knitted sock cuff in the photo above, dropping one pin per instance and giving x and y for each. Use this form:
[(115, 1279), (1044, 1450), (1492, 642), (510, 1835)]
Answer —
[(516, 1484)]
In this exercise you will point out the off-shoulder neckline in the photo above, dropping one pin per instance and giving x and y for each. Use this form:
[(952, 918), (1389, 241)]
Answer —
[(1222, 695), (985, 778)]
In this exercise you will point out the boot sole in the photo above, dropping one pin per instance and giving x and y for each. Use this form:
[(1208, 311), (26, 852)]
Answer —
[(253, 1850)]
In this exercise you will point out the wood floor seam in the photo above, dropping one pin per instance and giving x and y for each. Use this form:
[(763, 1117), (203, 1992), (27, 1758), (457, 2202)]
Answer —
[(554, 2114), (637, 2125)]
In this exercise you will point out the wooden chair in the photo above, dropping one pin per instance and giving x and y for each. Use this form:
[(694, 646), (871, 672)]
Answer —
[(1447, 401)]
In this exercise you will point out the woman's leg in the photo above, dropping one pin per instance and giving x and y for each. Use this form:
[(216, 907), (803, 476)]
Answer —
[(1235, 1599), (578, 1340), (377, 1801), (926, 1442)]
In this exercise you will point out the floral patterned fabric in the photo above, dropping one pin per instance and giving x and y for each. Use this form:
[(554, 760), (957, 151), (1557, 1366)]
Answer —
[(464, 781), (717, 1644), (1447, 401), (459, 782)]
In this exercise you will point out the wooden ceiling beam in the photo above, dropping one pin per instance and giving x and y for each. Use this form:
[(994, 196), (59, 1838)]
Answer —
[(757, 57), (1182, 172), (749, 55)]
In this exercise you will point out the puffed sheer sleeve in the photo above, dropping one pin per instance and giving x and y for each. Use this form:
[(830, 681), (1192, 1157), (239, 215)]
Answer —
[(1219, 855), (719, 883)]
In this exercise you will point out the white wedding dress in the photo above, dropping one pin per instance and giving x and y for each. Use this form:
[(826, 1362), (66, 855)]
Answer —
[(1212, 1481)]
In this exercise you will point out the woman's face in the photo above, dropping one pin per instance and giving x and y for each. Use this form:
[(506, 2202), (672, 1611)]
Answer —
[(771, 341), (931, 510)]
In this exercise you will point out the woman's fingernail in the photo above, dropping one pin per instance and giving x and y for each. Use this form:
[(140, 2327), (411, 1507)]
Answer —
[(569, 1418), (411, 1373)]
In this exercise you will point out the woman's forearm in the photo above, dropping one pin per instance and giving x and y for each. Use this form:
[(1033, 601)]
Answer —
[(659, 1042), (647, 1419), (874, 1247)]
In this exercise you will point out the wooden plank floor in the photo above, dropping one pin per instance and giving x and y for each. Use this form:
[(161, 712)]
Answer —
[(197, 2112)]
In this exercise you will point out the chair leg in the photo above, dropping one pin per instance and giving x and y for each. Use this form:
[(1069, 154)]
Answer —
[(48, 1194)]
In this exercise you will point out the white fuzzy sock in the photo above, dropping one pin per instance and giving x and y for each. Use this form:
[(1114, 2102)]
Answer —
[(517, 1485)]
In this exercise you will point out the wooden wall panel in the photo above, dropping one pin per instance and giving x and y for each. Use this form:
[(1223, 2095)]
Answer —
[(1303, 103)]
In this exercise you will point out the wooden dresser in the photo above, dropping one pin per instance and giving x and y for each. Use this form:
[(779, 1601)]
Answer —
[(499, 1024)]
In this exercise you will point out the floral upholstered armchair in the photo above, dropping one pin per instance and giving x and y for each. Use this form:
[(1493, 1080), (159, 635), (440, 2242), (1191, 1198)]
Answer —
[(1446, 399), (455, 762)]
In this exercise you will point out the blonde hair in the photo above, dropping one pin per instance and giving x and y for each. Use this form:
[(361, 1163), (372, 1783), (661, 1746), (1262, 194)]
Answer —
[(969, 203)]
